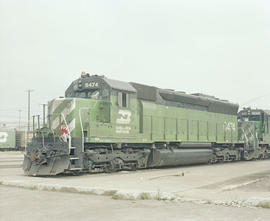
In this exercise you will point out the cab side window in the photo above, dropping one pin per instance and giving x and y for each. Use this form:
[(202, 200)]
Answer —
[(123, 99)]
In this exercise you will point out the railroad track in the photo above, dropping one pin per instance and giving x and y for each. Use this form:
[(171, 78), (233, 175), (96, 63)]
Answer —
[(10, 161)]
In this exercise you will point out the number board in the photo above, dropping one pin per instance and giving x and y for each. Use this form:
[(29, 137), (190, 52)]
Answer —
[(91, 85)]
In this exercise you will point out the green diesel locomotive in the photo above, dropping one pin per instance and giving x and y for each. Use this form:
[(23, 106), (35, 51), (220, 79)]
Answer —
[(105, 125)]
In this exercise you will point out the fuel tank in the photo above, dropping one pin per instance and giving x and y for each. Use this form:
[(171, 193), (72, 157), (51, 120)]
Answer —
[(177, 157)]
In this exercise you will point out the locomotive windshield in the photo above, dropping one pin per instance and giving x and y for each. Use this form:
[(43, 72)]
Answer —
[(92, 94), (250, 115), (255, 118)]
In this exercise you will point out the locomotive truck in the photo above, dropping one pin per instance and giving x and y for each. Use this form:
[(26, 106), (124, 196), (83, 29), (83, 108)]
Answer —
[(105, 125)]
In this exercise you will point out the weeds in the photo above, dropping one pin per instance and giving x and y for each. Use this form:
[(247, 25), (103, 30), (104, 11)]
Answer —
[(33, 188), (144, 196), (158, 196), (265, 204), (118, 196), (110, 192)]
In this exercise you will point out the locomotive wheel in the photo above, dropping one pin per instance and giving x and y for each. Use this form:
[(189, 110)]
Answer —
[(114, 165), (134, 167)]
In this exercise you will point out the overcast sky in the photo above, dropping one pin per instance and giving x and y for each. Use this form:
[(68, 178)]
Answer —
[(216, 47)]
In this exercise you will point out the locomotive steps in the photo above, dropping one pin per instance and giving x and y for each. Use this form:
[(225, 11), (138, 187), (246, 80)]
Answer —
[(230, 184)]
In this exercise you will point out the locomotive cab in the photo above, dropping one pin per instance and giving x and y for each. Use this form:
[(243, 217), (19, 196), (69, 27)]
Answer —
[(255, 132), (259, 118)]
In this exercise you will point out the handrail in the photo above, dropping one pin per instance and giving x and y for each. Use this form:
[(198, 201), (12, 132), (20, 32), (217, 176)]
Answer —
[(69, 137), (244, 134), (80, 117), (254, 141)]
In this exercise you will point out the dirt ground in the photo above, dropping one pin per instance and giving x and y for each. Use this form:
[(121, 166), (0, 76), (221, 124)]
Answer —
[(22, 204), (262, 186)]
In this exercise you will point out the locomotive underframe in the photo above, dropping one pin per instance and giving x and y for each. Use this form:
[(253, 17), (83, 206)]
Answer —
[(56, 157)]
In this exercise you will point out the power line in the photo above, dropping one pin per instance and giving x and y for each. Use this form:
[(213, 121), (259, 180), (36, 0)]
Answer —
[(254, 99), (8, 110)]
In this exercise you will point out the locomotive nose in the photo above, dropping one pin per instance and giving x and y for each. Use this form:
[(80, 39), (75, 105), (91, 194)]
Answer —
[(46, 161)]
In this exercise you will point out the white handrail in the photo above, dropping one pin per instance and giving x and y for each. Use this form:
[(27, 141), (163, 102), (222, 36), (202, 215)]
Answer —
[(69, 137), (254, 141), (80, 117)]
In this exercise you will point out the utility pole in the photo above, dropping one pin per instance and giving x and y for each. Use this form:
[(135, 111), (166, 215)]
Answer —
[(44, 113), (38, 121), (33, 122), (20, 111), (33, 126), (28, 125)]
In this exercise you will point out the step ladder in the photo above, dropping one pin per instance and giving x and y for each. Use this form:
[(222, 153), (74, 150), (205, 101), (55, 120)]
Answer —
[(74, 160)]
